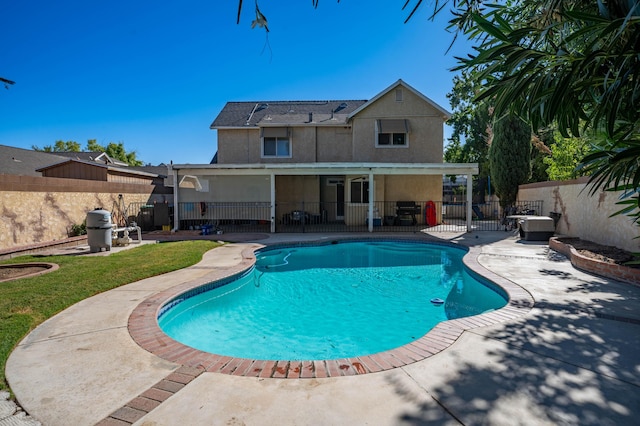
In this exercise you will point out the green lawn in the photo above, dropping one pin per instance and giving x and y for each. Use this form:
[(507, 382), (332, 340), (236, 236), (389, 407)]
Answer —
[(26, 303)]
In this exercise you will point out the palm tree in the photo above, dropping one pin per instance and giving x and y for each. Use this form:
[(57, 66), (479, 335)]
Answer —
[(571, 63)]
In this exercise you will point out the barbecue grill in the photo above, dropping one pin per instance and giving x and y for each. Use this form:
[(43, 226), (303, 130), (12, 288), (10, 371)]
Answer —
[(407, 210)]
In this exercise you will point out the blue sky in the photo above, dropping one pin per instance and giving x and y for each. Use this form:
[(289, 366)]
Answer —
[(154, 74)]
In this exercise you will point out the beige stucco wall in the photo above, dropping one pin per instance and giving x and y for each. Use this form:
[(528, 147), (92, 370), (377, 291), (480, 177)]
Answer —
[(36, 210), (241, 188), (425, 136), (414, 188), (238, 146), (309, 144), (303, 147), (583, 215), (334, 144), (297, 193)]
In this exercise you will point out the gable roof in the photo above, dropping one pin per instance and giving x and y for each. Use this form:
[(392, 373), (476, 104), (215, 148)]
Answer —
[(446, 114), (25, 162), (125, 170), (254, 114), (270, 113)]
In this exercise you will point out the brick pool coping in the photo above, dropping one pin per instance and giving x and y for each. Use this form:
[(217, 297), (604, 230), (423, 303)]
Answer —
[(145, 331)]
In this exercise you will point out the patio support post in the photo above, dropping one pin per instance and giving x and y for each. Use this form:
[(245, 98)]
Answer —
[(371, 200), (272, 183), (176, 208), (469, 200)]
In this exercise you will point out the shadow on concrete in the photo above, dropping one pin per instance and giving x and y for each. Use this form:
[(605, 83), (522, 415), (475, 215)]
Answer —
[(573, 361)]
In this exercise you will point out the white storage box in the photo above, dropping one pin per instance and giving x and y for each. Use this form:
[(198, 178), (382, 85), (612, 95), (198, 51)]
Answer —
[(536, 228)]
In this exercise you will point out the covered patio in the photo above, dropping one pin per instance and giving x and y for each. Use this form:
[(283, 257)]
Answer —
[(273, 209)]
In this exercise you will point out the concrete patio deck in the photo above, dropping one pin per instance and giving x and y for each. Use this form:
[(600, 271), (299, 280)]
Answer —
[(571, 359)]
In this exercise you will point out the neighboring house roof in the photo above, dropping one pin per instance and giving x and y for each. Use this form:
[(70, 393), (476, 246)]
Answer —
[(98, 157), (162, 171), (127, 170), (446, 114), (25, 162), (273, 113)]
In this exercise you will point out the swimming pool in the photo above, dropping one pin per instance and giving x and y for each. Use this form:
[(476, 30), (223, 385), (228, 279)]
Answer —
[(330, 301)]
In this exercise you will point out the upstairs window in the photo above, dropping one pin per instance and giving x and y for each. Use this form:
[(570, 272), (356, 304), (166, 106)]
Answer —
[(359, 191), (392, 133), (276, 142)]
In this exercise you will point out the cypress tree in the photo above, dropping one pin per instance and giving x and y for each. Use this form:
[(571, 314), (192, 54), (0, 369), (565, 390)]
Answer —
[(509, 157)]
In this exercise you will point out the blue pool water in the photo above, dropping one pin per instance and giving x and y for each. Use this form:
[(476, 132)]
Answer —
[(330, 301)]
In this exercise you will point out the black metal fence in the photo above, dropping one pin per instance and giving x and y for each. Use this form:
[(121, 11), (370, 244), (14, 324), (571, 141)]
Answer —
[(395, 217), (225, 216), (412, 216)]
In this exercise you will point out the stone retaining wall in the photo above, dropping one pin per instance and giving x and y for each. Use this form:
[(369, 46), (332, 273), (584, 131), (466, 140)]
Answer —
[(38, 209)]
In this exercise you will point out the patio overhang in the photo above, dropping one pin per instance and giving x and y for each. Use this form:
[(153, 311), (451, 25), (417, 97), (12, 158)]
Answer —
[(329, 169)]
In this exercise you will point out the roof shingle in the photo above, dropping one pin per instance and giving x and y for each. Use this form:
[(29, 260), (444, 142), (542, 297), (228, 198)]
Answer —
[(250, 114)]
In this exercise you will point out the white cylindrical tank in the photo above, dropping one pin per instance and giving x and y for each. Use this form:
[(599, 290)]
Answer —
[(99, 229)]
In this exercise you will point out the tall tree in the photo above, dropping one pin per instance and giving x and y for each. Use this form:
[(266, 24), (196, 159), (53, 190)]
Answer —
[(509, 157), (566, 154), (113, 150), (539, 153), (469, 121), (59, 146)]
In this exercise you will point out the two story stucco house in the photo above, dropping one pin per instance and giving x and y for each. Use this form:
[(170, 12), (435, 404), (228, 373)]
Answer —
[(341, 161)]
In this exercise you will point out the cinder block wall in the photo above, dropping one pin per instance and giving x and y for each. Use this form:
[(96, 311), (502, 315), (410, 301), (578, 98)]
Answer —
[(38, 209), (584, 215)]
